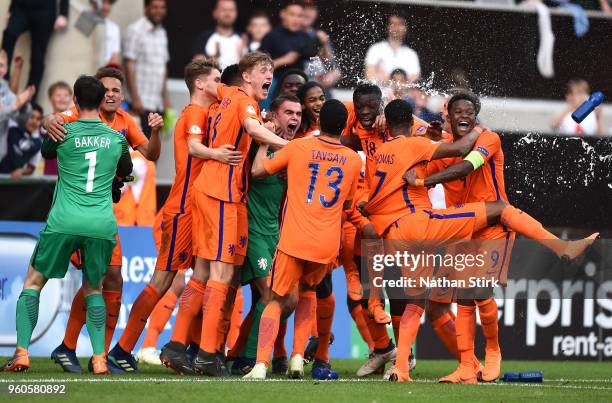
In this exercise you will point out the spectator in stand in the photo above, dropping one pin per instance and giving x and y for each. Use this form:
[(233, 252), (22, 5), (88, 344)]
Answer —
[(399, 85), (23, 148), (603, 5), (111, 51), (384, 57), (257, 28), (578, 91), (288, 44), (145, 54), (323, 68), (60, 98), (222, 43), (419, 99), (11, 105), (290, 82), (40, 17)]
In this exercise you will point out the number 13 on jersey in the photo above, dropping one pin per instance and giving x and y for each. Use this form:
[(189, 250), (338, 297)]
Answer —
[(336, 174)]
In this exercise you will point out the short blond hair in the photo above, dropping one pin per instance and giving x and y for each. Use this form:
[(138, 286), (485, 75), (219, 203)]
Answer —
[(250, 60)]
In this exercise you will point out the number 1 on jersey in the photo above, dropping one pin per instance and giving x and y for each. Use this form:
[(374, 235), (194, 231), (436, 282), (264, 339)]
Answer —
[(91, 173)]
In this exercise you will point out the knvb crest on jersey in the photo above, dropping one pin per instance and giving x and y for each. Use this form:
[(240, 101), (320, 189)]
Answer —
[(226, 102), (262, 263), (123, 132), (183, 256)]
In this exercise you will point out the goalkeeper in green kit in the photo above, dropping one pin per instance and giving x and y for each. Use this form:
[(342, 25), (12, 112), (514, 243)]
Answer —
[(92, 159)]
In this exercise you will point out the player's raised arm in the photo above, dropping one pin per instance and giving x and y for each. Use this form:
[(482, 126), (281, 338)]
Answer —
[(458, 148), (264, 165), (259, 133), (151, 149), (54, 125)]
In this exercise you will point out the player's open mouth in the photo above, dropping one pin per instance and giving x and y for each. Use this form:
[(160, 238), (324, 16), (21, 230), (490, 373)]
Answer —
[(316, 112), (266, 86), (464, 124), (292, 127), (367, 122)]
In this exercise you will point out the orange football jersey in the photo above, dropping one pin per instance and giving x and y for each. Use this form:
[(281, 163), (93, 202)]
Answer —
[(390, 197), (487, 182), (192, 123), (321, 175), (222, 181), (372, 139), (123, 123)]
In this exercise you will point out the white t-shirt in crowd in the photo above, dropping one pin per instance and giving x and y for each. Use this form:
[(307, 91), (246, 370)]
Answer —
[(112, 40), (382, 55), (587, 126), (229, 48)]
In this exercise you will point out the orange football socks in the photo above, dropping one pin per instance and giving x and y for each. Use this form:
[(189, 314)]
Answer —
[(224, 325), (409, 327), (159, 317), (379, 334), (279, 344), (444, 326), (268, 330), (305, 315), (76, 320), (487, 310), (112, 300), (190, 306), (212, 314), (362, 326), (466, 331), (325, 318), (528, 226), (142, 308)]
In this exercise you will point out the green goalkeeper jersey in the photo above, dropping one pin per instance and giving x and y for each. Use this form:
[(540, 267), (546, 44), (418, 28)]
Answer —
[(265, 198), (87, 160)]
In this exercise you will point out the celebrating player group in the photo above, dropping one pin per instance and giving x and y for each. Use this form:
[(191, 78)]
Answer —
[(276, 203)]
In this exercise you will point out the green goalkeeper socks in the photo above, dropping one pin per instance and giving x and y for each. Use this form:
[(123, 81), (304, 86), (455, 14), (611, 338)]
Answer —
[(27, 316), (96, 321), (250, 350)]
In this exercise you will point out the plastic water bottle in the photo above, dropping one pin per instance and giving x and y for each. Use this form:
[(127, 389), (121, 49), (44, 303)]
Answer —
[(587, 106), (528, 376)]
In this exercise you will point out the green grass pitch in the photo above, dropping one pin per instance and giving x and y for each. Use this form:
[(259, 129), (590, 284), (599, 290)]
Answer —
[(563, 382)]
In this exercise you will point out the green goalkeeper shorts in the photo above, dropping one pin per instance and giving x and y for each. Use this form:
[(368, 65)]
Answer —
[(259, 257), (52, 255)]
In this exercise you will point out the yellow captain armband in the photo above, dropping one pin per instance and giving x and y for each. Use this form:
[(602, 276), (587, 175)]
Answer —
[(475, 158)]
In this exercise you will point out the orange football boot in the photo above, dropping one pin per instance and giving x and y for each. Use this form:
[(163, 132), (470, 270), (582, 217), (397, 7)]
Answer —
[(99, 364), (20, 361)]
